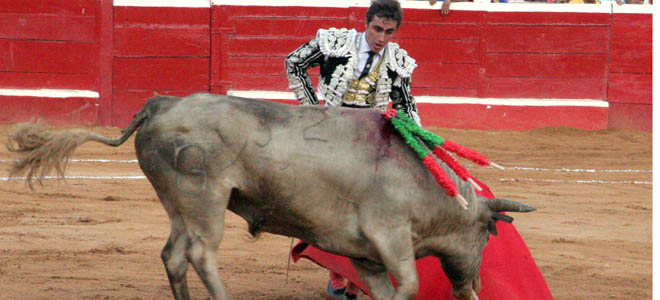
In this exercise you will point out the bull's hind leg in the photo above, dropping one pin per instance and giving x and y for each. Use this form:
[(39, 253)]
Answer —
[(396, 251), (197, 229), (202, 201), (196, 206), (205, 218), (174, 258), (174, 252)]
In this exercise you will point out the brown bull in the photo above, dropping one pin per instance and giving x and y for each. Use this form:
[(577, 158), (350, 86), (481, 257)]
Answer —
[(339, 179)]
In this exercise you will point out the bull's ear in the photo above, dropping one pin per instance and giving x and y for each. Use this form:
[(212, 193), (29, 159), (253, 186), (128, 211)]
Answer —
[(501, 217), (492, 223), (492, 227)]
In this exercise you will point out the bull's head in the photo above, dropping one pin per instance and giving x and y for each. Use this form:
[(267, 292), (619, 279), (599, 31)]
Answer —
[(463, 269)]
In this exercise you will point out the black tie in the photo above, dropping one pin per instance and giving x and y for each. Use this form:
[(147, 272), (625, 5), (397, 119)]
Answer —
[(367, 66)]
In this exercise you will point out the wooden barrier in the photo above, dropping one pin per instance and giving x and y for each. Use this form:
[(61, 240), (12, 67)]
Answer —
[(630, 78), (48, 45), (482, 66), (164, 50)]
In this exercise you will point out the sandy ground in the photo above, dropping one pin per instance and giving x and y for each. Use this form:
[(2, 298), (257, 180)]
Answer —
[(101, 238)]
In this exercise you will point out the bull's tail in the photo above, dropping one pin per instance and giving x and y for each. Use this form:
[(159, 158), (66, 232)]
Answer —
[(42, 150)]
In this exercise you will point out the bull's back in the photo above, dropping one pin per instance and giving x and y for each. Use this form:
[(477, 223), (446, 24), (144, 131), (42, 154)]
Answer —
[(338, 148)]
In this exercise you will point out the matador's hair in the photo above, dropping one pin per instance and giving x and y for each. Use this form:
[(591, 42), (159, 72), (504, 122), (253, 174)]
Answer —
[(386, 9)]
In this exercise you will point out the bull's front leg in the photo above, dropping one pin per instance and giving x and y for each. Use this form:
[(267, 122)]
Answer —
[(394, 246), (375, 277)]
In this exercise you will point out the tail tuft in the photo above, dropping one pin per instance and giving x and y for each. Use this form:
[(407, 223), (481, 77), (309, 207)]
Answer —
[(42, 150)]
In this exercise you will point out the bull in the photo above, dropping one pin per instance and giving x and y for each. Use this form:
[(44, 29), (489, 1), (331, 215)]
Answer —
[(340, 179)]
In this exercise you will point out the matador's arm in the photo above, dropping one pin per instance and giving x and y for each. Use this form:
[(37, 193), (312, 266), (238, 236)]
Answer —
[(307, 56)]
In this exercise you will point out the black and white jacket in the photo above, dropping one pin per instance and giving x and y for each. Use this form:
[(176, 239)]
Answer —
[(335, 51)]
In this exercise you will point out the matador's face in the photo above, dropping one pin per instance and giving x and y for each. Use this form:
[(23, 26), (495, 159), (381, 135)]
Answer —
[(380, 31)]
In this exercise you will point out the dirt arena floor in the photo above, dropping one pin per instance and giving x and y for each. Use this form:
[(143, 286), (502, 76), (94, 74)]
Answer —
[(101, 238)]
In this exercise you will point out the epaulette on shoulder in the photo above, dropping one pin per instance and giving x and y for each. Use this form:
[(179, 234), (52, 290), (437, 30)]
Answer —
[(336, 42), (399, 61)]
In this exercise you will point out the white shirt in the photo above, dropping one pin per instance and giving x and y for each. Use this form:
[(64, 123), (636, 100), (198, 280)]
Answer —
[(363, 55)]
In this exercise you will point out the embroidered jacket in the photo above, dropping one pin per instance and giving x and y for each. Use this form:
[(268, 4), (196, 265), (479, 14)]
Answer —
[(336, 52)]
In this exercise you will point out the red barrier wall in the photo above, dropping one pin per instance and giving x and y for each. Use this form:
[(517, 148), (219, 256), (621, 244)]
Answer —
[(504, 53), (630, 79), (164, 50), (545, 55), (251, 44), (49, 45)]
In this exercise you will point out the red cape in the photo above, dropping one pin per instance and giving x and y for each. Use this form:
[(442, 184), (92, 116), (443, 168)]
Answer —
[(508, 271)]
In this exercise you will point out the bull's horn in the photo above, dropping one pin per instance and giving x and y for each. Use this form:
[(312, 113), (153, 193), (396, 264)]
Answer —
[(498, 204)]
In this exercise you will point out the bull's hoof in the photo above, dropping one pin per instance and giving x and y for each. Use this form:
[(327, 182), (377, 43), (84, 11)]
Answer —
[(338, 293)]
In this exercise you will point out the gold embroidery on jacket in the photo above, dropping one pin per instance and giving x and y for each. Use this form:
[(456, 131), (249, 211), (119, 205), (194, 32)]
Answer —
[(362, 92)]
